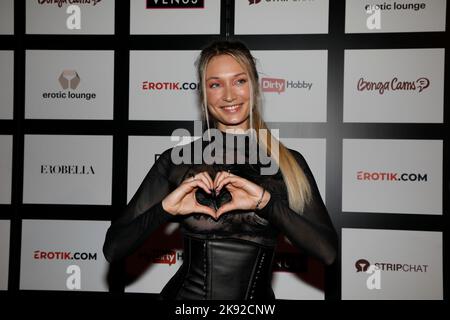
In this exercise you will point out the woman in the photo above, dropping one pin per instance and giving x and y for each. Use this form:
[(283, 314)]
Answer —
[(230, 213)]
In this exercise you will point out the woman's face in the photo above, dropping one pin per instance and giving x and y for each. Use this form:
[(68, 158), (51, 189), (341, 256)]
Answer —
[(228, 93)]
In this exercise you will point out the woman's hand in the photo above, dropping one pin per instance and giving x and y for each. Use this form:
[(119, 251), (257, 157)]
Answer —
[(244, 193), (182, 200)]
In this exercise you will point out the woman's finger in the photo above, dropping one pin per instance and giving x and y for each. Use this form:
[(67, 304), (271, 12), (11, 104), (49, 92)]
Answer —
[(219, 177), (191, 183), (205, 210), (207, 179), (229, 206)]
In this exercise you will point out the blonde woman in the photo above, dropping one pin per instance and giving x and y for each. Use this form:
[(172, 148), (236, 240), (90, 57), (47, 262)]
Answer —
[(230, 212)]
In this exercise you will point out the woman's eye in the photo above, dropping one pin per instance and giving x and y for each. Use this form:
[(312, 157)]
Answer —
[(213, 85), (241, 81)]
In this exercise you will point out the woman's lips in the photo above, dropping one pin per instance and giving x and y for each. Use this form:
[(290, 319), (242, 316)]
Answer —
[(232, 108)]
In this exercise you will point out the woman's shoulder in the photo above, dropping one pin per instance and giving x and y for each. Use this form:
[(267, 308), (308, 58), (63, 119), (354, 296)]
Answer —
[(298, 156)]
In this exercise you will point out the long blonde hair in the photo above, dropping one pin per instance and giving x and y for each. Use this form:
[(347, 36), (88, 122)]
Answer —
[(298, 188)]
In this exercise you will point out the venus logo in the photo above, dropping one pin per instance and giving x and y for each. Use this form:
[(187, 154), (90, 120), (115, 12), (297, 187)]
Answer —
[(73, 282)]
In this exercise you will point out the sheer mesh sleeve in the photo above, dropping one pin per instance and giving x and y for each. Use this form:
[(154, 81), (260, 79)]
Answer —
[(143, 214), (312, 231)]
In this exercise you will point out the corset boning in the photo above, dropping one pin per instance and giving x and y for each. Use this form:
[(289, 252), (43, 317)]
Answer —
[(222, 269)]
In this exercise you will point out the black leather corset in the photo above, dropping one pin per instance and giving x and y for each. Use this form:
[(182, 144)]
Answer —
[(222, 269)]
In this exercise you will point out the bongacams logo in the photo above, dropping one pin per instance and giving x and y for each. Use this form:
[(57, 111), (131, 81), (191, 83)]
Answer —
[(280, 85), (393, 85), (61, 3)]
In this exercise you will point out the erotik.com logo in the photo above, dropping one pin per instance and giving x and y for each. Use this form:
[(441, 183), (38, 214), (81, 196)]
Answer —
[(150, 86), (364, 175), (161, 256), (280, 85), (363, 265), (393, 85), (63, 255), (175, 4)]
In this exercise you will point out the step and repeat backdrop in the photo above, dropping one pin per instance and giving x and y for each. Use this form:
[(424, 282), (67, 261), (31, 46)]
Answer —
[(90, 92)]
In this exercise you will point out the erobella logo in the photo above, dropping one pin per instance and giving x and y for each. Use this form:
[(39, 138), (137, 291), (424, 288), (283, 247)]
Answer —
[(393, 85), (364, 175), (280, 85), (169, 86), (175, 4), (67, 169), (69, 80)]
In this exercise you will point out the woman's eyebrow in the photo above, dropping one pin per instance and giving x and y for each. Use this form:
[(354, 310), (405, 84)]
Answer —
[(234, 76)]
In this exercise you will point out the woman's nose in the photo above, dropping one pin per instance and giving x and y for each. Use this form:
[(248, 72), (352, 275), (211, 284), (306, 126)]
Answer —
[(228, 94)]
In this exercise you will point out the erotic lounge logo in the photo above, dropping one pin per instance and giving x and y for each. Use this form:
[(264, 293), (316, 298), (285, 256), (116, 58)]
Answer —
[(175, 4), (395, 84), (69, 79)]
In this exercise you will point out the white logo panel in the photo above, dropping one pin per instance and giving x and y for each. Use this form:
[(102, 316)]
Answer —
[(6, 84), (294, 85), (175, 17), (70, 17), (143, 151), (7, 17), (394, 16), (161, 93), (69, 84), (392, 176), (63, 255), (401, 85), (67, 169), (4, 253), (409, 265), (281, 17), (6, 145)]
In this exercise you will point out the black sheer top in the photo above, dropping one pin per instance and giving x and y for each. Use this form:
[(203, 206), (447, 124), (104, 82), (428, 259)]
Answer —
[(311, 231)]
